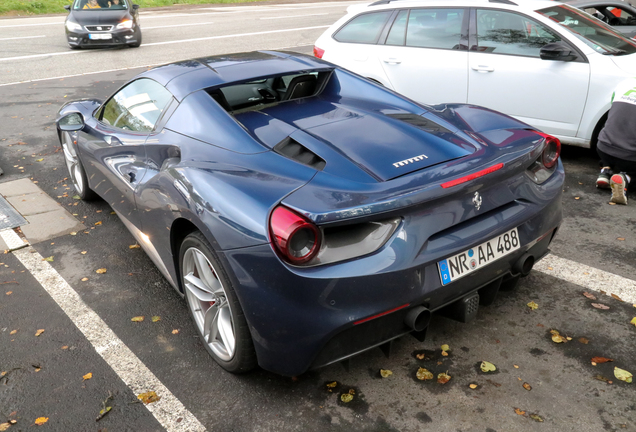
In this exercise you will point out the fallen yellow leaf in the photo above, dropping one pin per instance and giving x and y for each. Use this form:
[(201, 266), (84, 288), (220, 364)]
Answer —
[(84, 279), (135, 246), (65, 347), (536, 417), (623, 375), (487, 367), (532, 305), (444, 353), (583, 340), (100, 271), (527, 386), (83, 252), (385, 373), (4, 426), (13, 332), (137, 319), (423, 356), (346, 397), (557, 338), (445, 347), (472, 386), (443, 378), (41, 420), (49, 259), (98, 223), (148, 397), (88, 376), (633, 321), (516, 367), (423, 374), (520, 412), (39, 332), (156, 318), (175, 331), (9, 292), (73, 233), (332, 384)]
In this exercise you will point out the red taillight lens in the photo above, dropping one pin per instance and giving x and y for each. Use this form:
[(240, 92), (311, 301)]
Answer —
[(318, 52), (295, 237), (472, 176), (552, 150)]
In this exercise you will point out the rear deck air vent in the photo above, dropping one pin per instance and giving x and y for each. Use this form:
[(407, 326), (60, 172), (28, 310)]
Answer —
[(420, 122), (296, 151)]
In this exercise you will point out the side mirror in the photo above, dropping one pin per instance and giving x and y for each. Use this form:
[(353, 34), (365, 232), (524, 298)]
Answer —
[(67, 7), (559, 51), (71, 122), (135, 6)]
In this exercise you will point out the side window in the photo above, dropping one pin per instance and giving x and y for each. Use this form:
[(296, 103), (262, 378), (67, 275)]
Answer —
[(435, 28), (136, 107), (620, 17), (364, 28), (510, 33), (398, 29)]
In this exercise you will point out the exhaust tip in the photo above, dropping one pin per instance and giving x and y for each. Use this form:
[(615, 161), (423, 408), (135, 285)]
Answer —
[(418, 318), (524, 265)]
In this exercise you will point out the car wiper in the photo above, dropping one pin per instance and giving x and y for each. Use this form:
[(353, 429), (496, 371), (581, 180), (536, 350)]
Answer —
[(616, 52)]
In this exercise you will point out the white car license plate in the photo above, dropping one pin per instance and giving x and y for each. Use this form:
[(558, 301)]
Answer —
[(97, 36), (455, 267)]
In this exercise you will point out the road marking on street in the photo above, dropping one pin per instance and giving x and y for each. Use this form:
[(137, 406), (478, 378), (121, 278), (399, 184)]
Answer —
[(234, 35), (59, 23), (169, 410), (178, 25), (168, 42), (294, 16), (588, 277), (21, 37)]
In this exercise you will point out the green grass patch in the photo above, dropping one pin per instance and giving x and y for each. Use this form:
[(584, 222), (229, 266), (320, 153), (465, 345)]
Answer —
[(36, 7)]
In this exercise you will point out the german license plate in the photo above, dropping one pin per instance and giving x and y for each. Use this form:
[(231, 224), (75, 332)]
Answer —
[(100, 36), (458, 266)]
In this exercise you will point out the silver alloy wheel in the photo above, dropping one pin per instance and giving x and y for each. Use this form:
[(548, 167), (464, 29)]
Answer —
[(209, 304), (72, 162)]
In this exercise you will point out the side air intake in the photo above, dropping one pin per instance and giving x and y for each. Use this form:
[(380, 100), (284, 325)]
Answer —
[(296, 151)]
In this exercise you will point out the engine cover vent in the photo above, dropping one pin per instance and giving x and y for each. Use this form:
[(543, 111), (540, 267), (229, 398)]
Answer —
[(294, 150)]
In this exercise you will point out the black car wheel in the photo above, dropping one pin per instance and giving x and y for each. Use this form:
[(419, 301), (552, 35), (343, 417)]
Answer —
[(214, 306), (136, 44), (75, 169)]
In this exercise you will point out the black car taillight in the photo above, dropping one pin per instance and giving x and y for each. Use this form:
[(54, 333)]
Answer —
[(551, 151), (295, 237)]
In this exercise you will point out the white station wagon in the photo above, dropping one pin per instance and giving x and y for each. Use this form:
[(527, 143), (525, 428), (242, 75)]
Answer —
[(545, 63)]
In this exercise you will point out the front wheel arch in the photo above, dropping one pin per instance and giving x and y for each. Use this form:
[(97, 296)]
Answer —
[(597, 130)]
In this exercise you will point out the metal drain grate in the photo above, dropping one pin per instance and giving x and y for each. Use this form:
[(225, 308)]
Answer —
[(9, 217)]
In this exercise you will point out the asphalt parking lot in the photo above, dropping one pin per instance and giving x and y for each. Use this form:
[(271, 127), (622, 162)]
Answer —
[(44, 376)]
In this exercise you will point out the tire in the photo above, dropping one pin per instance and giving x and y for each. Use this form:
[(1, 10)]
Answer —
[(75, 168), (136, 44), (214, 306)]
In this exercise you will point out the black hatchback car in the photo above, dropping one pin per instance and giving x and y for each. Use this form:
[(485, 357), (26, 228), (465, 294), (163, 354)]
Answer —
[(102, 23)]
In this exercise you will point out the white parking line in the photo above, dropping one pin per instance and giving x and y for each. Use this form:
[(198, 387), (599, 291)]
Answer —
[(588, 277), (294, 16), (168, 411), (58, 23), (168, 42), (21, 37), (178, 25)]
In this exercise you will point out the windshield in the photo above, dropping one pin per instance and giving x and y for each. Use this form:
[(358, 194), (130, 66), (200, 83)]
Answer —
[(596, 34), (100, 4)]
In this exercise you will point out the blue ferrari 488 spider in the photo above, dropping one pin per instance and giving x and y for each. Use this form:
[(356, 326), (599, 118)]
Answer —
[(307, 214)]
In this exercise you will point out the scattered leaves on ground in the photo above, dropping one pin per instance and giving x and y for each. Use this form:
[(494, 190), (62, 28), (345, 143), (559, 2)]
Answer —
[(137, 319), (532, 305), (135, 246), (100, 271), (9, 292), (590, 296), (601, 360), (175, 331), (148, 397), (527, 386), (557, 338), (84, 279), (13, 332), (536, 417), (77, 197), (445, 348), (49, 259), (4, 426), (98, 223), (620, 238), (346, 397), (515, 366), (473, 386), (633, 321), (487, 367), (443, 378), (332, 384), (519, 411), (39, 332), (423, 374), (156, 318), (623, 375), (600, 306), (41, 420), (385, 373), (88, 376), (584, 341), (420, 356)]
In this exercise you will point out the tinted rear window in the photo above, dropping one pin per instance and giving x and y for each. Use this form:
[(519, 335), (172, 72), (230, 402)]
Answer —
[(364, 28)]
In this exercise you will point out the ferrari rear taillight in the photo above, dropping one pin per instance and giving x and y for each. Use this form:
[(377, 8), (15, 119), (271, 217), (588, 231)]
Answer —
[(472, 176), (551, 151), (295, 237), (318, 52)]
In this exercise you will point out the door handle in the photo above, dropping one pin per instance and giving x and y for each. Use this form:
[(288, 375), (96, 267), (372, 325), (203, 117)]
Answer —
[(392, 60), (483, 68), (112, 140)]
